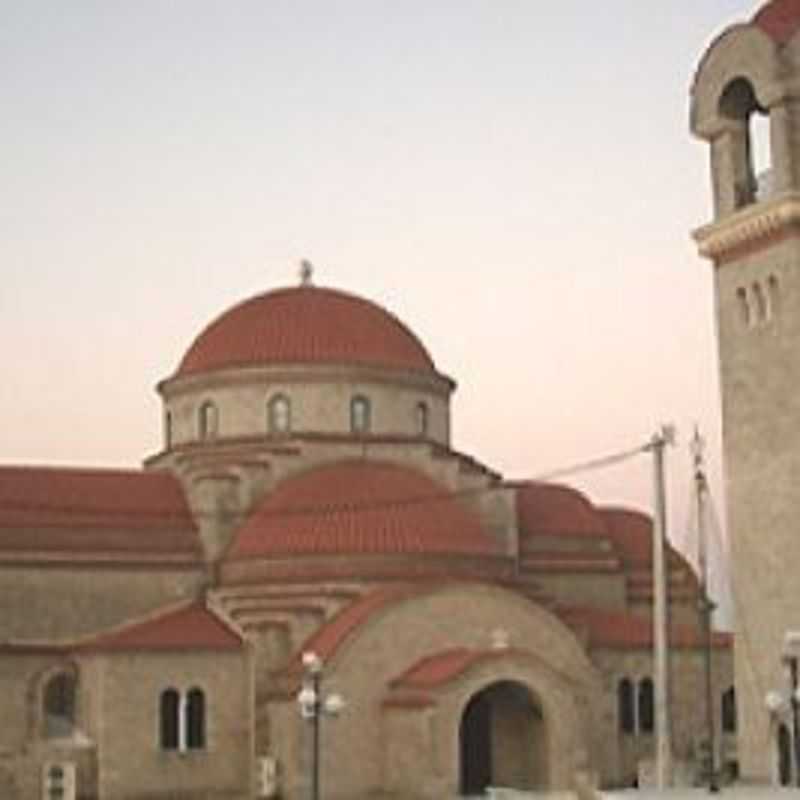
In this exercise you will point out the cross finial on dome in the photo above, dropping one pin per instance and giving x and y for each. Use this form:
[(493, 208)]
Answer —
[(306, 272)]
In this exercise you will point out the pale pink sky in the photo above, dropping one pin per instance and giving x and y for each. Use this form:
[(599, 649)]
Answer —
[(514, 180)]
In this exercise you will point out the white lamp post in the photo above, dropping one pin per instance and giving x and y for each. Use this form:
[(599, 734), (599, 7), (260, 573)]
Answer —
[(312, 707)]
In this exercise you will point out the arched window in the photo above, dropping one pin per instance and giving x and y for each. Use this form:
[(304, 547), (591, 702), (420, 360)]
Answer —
[(195, 720), (761, 302), (646, 706), (752, 153), (773, 296), (167, 430), (625, 706), (58, 706), (744, 306), (422, 419), (784, 755), (169, 714), (360, 414), (209, 420), (729, 710), (279, 414)]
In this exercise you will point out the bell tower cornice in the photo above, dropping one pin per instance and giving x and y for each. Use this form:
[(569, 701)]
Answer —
[(756, 225)]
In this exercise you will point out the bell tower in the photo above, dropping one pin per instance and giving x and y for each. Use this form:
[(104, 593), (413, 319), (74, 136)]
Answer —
[(750, 75)]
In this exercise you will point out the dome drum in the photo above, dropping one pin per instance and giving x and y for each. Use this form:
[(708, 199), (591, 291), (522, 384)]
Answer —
[(280, 402)]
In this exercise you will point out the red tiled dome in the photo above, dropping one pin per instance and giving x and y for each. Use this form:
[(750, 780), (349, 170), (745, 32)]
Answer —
[(549, 508), (361, 508), (306, 324), (779, 19)]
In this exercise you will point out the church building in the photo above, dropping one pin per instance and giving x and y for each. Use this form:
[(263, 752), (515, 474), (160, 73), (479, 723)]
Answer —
[(309, 530)]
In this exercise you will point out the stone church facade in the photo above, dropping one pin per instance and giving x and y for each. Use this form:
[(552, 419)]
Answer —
[(308, 498), (751, 74)]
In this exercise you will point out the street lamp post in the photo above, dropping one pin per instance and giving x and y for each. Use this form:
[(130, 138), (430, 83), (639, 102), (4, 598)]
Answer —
[(313, 705)]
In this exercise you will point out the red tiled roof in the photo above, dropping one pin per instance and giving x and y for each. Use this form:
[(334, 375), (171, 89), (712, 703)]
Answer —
[(306, 324), (779, 19), (632, 533), (549, 508), (190, 627), (361, 507), (622, 630), (438, 669), (74, 511), (325, 641)]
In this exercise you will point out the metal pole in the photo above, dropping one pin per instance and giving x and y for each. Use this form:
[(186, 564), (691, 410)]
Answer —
[(663, 738), (705, 605), (315, 682)]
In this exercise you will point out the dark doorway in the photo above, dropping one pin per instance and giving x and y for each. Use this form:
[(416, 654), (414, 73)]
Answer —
[(501, 740), (476, 746)]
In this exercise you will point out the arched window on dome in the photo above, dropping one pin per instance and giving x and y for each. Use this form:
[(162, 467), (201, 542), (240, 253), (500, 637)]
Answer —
[(208, 421), (360, 414), (58, 706), (279, 414), (422, 418), (167, 430), (646, 706)]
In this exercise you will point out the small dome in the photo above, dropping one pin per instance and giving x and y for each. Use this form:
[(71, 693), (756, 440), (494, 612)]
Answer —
[(549, 508), (361, 508), (779, 19), (306, 325)]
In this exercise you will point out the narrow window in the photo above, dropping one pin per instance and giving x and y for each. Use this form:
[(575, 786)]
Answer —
[(360, 415), (208, 421), (761, 303), (646, 706), (773, 296), (195, 720), (784, 755), (729, 711), (422, 419), (279, 414), (625, 706), (744, 307), (59, 706), (167, 430), (168, 717)]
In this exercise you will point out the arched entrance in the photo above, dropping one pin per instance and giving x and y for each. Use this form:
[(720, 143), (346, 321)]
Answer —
[(502, 740)]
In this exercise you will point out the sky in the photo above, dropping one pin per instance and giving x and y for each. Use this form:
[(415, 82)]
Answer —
[(513, 179)]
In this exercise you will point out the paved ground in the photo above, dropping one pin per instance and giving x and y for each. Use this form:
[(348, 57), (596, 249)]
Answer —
[(727, 793)]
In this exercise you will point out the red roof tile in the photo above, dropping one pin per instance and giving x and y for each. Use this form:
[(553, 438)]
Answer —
[(779, 19), (361, 507), (190, 627), (74, 511), (548, 508), (325, 641), (306, 324), (632, 533), (622, 630), (78, 511)]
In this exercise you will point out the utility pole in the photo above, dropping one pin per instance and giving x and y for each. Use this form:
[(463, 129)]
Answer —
[(665, 436), (705, 604)]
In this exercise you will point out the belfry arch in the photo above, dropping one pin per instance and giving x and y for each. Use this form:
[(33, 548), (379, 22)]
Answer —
[(502, 740)]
